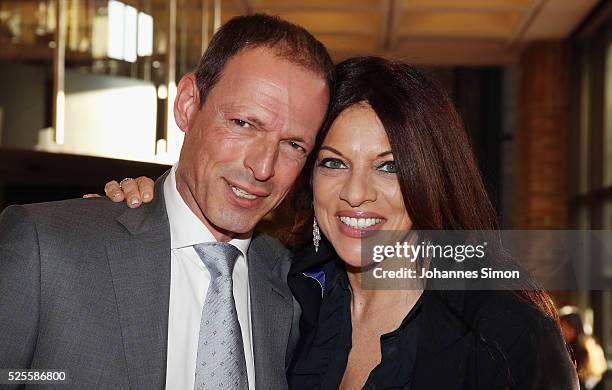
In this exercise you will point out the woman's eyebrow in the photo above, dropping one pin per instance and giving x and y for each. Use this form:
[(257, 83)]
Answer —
[(325, 147)]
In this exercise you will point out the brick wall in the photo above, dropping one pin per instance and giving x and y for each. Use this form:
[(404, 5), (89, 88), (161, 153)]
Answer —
[(542, 138), (542, 150)]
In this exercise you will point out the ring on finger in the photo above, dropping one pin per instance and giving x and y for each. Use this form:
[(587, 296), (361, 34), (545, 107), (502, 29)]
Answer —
[(123, 181)]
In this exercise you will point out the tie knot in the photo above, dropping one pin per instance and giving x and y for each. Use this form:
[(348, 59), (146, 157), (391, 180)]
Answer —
[(218, 257)]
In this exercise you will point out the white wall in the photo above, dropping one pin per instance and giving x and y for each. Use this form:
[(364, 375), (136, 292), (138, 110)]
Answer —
[(110, 116)]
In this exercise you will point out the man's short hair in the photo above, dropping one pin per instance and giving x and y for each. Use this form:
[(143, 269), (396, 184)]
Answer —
[(289, 41)]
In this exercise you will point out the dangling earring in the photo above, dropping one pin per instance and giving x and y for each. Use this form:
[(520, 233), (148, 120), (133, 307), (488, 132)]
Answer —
[(316, 235)]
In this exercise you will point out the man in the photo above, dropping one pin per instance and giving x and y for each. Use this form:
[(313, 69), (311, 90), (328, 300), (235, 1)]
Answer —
[(179, 293)]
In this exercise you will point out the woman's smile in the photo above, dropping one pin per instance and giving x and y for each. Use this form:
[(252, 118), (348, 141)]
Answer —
[(359, 224)]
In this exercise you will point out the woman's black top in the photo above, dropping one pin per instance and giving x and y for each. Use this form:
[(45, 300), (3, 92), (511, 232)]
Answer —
[(449, 340), (327, 356)]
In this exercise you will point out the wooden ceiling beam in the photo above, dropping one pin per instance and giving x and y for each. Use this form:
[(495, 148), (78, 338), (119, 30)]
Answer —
[(390, 12), (442, 52), (458, 25), (349, 43), (246, 6), (566, 14), (356, 23), (490, 6), (279, 6), (528, 16)]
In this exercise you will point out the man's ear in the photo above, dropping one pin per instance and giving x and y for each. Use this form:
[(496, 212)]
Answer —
[(187, 102)]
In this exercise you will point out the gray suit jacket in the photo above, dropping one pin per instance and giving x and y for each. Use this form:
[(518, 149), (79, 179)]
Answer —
[(84, 286)]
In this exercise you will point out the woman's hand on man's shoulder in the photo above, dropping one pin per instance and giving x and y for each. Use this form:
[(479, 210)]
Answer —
[(134, 192)]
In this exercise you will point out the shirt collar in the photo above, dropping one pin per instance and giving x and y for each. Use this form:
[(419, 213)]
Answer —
[(186, 229)]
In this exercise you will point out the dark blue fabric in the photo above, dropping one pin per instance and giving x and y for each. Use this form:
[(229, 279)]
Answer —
[(319, 276)]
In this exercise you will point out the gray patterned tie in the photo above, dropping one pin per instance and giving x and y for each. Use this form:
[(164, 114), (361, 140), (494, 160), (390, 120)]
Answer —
[(220, 363)]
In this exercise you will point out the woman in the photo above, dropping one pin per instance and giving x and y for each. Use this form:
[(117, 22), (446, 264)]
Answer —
[(393, 155)]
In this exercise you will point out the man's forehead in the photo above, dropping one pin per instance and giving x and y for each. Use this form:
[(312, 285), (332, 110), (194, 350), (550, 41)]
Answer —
[(250, 56), (276, 89), (262, 69), (245, 90), (263, 63)]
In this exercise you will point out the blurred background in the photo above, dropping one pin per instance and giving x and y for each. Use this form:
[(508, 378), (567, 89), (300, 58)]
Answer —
[(86, 88)]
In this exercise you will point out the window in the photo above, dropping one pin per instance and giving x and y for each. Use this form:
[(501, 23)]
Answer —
[(592, 200)]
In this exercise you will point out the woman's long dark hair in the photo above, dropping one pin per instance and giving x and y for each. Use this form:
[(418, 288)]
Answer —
[(441, 184)]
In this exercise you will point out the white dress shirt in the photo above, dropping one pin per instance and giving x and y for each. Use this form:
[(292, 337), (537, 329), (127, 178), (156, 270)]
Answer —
[(189, 280)]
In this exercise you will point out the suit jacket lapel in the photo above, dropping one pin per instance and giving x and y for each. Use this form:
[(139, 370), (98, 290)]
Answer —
[(271, 313), (140, 268)]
